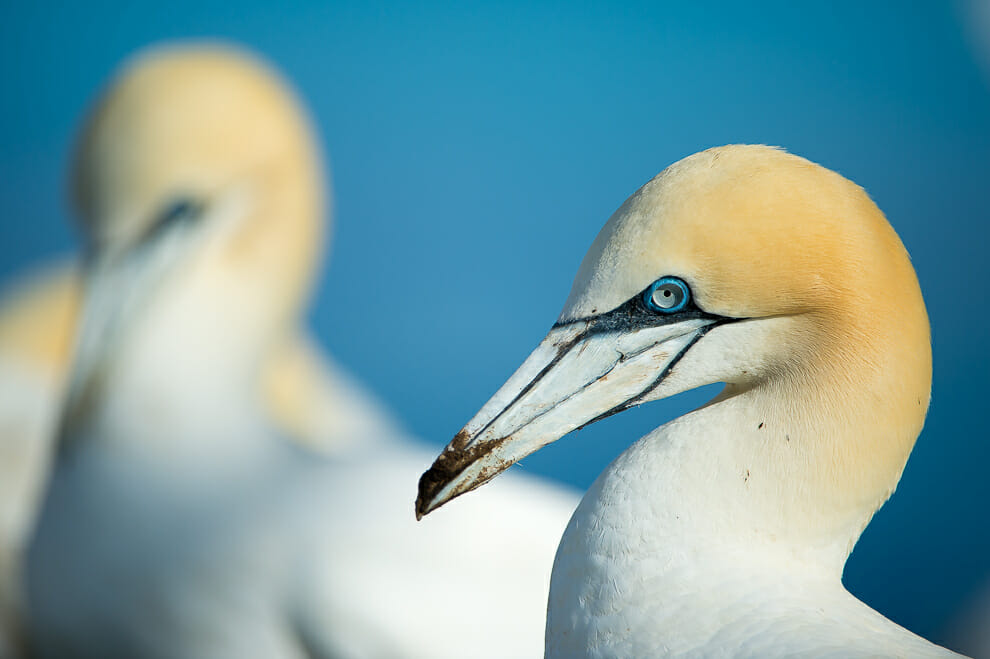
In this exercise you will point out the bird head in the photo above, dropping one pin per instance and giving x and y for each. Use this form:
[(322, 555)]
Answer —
[(199, 190), (743, 265)]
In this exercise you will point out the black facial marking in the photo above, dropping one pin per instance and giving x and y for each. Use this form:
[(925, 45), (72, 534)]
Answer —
[(633, 314), (181, 209)]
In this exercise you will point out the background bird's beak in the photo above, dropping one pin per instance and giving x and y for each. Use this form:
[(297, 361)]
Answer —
[(118, 283), (576, 376)]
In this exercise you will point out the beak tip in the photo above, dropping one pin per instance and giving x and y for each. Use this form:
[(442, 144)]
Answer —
[(450, 464), (430, 483), (422, 503)]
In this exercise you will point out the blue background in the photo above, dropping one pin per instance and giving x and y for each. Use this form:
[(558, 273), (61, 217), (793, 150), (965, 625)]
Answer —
[(477, 150)]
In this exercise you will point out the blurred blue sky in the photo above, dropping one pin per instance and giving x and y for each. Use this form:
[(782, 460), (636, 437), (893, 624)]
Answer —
[(477, 149)]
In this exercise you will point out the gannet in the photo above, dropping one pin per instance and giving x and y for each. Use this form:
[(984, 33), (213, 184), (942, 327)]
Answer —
[(177, 522), (724, 532)]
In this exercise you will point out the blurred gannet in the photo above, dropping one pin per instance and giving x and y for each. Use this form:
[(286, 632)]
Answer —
[(724, 532), (177, 523), (305, 393)]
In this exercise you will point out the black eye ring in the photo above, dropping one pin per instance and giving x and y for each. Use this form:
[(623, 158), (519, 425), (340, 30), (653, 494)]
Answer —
[(667, 295)]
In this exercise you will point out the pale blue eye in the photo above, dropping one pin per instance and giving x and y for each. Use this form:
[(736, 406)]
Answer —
[(667, 295)]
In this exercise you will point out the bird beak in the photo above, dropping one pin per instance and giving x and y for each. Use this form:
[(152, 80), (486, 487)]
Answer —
[(118, 283), (583, 371)]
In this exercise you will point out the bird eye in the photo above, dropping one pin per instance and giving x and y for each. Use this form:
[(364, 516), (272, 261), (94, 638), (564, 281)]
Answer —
[(666, 295)]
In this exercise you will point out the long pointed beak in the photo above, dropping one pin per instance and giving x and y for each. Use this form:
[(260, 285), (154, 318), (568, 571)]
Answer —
[(581, 372), (117, 284)]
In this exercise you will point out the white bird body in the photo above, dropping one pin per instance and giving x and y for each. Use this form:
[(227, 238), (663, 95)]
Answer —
[(178, 521), (645, 527), (724, 532)]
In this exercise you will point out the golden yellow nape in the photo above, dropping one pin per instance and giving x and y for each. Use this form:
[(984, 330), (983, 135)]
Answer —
[(195, 123)]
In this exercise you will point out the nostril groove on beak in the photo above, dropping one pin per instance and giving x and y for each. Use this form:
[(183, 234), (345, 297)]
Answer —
[(562, 350)]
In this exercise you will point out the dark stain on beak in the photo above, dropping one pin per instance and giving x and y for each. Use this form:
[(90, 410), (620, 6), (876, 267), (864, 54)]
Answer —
[(457, 457)]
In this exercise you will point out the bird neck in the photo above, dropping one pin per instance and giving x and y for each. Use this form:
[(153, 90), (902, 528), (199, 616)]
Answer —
[(747, 504), (792, 467)]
